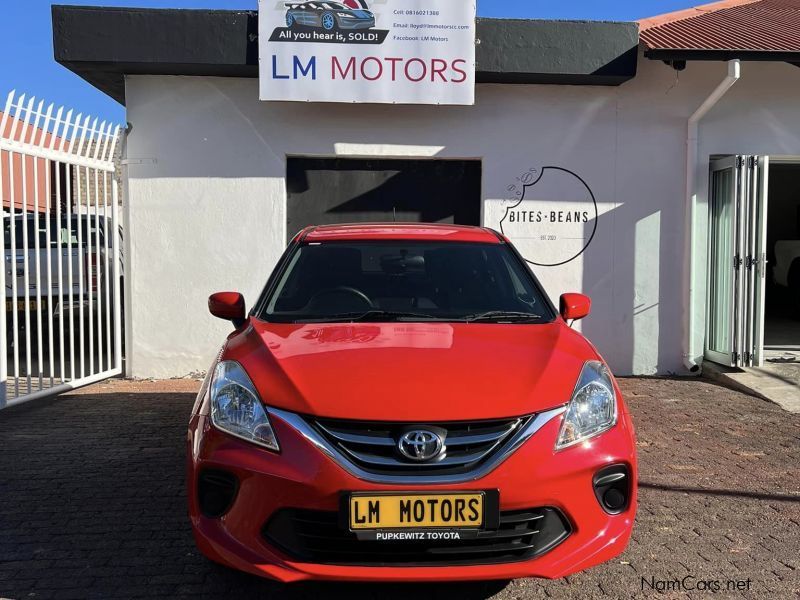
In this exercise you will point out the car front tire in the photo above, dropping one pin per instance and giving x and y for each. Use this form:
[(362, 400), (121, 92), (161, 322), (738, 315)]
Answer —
[(328, 22)]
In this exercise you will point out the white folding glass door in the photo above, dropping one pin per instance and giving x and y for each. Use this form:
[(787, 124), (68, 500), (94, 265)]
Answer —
[(737, 260)]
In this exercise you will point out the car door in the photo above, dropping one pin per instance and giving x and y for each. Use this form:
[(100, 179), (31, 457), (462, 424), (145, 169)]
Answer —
[(301, 14)]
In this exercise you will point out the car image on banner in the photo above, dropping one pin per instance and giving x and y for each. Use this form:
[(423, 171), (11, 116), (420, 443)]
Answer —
[(328, 16), (404, 403)]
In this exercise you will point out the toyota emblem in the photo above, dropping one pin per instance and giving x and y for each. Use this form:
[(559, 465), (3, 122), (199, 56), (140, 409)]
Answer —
[(420, 445)]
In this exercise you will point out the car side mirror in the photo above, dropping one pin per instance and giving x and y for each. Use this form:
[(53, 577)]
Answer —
[(574, 306), (228, 306)]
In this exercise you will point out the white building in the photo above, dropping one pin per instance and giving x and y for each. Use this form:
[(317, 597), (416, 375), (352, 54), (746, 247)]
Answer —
[(598, 123)]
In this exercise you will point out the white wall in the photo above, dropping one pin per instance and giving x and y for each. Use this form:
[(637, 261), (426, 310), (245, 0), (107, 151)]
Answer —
[(207, 194)]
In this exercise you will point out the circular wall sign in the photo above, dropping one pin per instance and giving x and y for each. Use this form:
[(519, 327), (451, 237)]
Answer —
[(552, 218)]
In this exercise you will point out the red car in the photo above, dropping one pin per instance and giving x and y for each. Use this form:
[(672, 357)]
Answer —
[(403, 402)]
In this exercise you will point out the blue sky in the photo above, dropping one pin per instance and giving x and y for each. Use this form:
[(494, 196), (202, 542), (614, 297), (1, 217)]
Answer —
[(26, 42)]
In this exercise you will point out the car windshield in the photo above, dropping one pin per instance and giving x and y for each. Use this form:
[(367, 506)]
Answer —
[(405, 281), (63, 232)]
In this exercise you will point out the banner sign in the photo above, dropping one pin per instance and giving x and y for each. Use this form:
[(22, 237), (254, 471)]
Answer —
[(388, 51)]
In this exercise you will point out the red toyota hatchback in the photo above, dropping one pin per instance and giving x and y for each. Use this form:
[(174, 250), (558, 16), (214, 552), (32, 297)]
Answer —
[(404, 403)]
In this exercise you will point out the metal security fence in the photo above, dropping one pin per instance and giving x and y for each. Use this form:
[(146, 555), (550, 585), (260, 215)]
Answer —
[(62, 271)]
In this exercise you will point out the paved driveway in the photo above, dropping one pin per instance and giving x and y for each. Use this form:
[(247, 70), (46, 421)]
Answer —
[(92, 503)]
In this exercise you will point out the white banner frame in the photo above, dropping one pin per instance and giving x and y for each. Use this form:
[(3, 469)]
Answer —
[(393, 51)]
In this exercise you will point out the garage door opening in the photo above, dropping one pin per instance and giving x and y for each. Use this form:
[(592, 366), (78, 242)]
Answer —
[(782, 314), (322, 191)]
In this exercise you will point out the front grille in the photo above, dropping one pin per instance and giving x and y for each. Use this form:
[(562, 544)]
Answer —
[(318, 536), (373, 445)]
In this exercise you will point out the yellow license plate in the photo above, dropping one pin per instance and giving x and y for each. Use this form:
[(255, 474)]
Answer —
[(416, 511), (19, 305)]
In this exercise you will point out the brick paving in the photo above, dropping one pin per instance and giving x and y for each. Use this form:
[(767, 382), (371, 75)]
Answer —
[(92, 502)]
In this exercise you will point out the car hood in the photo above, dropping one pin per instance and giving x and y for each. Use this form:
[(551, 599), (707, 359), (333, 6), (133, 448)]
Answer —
[(412, 371)]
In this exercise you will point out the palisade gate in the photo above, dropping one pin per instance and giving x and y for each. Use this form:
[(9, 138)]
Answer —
[(62, 270)]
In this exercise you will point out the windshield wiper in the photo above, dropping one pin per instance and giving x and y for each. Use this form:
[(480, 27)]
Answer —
[(374, 316), (503, 316)]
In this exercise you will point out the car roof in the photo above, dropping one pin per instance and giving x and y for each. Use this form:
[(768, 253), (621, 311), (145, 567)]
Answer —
[(399, 231)]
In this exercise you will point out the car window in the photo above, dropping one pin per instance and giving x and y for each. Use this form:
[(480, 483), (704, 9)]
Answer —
[(58, 232), (440, 280)]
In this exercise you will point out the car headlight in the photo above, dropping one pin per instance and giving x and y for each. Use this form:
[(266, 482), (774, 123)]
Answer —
[(236, 407), (593, 407), (346, 15)]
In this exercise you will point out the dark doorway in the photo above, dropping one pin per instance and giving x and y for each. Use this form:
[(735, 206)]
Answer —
[(782, 313), (325, 191)]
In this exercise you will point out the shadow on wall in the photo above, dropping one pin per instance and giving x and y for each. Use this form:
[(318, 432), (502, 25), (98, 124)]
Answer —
[(643, 267)]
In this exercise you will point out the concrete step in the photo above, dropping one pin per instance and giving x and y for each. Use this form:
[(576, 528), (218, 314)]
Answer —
[(776, 381)]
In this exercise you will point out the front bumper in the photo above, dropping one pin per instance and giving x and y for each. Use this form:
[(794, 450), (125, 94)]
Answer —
[(354, 24), (302, 477)]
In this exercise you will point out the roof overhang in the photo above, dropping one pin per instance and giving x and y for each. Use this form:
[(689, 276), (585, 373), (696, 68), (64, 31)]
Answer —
[(678, 55), (102, 45)]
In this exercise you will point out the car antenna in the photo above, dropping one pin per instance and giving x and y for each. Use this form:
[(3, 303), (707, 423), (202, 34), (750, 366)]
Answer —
[(394, 213)]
